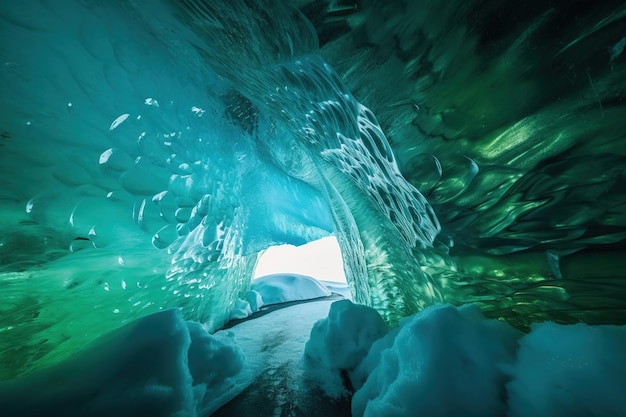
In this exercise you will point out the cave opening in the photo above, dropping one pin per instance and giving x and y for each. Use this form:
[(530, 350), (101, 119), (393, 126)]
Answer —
[(320, 259)]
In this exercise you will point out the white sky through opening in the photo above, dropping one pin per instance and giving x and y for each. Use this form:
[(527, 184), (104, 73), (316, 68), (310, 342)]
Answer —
[(320, 259)]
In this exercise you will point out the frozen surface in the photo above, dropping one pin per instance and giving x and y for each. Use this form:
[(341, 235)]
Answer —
[(276, 380), (151, 149), (163, 366), (283, 288), (341, 288), (242, 308), (442, 362)]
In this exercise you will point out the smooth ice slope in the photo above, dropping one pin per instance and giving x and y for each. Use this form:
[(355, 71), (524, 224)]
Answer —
[(284, 288)]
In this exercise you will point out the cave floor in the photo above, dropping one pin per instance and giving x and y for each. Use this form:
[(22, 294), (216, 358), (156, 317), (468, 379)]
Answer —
[(280, 383)]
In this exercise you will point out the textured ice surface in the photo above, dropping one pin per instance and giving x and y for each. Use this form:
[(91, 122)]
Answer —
[(445, 361), (344, 338), (149, 150)]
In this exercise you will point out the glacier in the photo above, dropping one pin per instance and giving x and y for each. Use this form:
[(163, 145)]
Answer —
[(150, 151)]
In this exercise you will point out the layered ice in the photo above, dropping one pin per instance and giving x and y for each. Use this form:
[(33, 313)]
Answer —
[(151, 139)]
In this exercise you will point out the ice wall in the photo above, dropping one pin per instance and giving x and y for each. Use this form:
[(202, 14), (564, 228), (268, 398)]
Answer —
[(150, 150), (508, 119), (132, 126), (118, 139)]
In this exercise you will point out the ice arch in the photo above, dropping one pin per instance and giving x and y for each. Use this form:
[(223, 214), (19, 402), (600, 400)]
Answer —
[(213, 130), (142, 135)]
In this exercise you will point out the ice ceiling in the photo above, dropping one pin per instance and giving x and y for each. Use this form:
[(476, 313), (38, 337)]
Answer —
[(462, 151)]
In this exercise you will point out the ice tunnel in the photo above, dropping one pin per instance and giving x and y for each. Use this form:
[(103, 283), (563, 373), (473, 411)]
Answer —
[(460, 151)]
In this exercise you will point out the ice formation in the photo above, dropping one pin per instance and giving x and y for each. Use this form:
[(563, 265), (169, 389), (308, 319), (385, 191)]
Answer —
[(460, 152)]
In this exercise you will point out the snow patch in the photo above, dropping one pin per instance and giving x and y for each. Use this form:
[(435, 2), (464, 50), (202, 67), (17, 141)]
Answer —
[(442, 362), (570, 370), (158, 365), (342, 340), (451, 361), (282, 288)]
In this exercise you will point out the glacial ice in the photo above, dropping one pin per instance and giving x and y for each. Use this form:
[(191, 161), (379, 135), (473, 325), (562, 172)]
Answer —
[(460, 153)]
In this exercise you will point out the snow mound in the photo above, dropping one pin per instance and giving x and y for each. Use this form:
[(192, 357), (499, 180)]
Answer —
[(451, 361), (441, 362), (341, 288), (570, 370), (158, 365), (212, 358), (242, 308), (282, 288), (342, 340)]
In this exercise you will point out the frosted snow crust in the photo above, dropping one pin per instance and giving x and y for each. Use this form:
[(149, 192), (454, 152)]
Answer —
[(343, 339), (576, 370), (443, 362)]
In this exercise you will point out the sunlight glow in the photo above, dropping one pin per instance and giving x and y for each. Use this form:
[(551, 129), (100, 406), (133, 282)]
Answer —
[(320, 259)]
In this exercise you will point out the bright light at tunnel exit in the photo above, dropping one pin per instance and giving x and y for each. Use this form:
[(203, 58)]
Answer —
[(320, 259)]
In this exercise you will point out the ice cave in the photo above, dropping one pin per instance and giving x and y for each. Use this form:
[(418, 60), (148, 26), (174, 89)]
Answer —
[(468, 159)]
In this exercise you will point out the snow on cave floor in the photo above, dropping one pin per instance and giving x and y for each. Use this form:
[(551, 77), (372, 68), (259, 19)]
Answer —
[(284, 360), (276, 378)]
